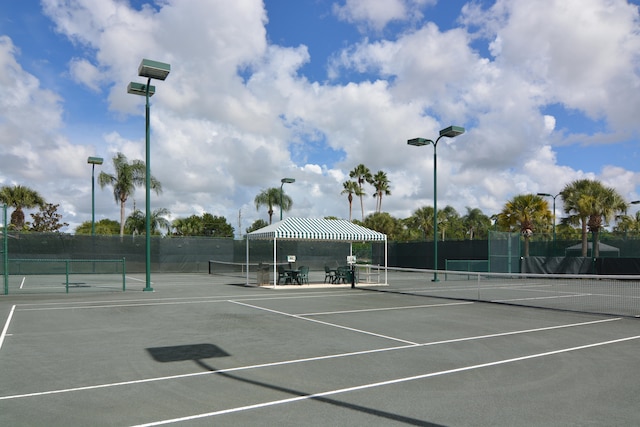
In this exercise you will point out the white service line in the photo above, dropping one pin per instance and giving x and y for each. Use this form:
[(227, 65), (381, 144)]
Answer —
[(382, 383), (139, 280), (6, 325), (294, 361), (325, 323), (385, 308)]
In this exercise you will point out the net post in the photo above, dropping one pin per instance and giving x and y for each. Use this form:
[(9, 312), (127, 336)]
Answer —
[(5, 251), (66, 273), (123, 276)]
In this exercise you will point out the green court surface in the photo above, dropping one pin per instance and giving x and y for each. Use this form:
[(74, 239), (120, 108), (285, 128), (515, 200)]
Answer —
[(203, 350)]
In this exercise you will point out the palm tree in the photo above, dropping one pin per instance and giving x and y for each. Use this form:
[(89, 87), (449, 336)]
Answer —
[(448, 218), (475, 222), (593, 205), (19, 197), (577, 207), (136, 222), (158, 220), (525, 212), (271, 197), (362, 175), (350, 188), (381, 183), (607, 202), (422, 219), (191, 226), (626, 223), (124, 182)]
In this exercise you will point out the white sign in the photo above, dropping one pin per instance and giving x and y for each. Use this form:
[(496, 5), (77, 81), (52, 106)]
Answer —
[(351, 259), (291, 258)]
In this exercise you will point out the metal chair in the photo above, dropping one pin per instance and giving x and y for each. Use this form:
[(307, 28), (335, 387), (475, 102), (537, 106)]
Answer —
[(282, 274), (329, 274), (303, 275), (343, 275)]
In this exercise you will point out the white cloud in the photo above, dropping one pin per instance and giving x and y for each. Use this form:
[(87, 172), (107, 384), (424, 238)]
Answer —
[(83, 72), (583, 52), (374, 13), (237, 114)]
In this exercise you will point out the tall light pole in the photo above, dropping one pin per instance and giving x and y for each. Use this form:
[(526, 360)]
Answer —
[(450, 132), (159, 71), (283, 182), (554, 217), (93, 161)]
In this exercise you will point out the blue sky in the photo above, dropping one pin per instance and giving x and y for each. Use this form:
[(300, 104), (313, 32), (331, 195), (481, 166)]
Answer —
[(548, 92)]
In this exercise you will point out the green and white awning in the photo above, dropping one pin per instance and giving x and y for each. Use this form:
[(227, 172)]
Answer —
[(317, 229)]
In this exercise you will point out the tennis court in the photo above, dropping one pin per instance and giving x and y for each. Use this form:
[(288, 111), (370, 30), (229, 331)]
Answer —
[(204, 350)]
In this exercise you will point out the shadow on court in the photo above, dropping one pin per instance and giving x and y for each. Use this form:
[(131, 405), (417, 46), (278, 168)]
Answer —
[(198, 352), (201, 352)]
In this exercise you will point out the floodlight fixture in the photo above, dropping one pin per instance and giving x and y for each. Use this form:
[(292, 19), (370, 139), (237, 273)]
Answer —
[(93, 161), (419, 142), (140, 89), (159, 71), (449, 132), (283, 182), (452, 131), (154, 69)]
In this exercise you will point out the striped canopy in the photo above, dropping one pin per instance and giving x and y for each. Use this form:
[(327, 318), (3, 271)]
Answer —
[(317, 229)]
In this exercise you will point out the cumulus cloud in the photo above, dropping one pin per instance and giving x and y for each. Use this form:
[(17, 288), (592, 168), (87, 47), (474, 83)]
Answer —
[(237, 113)]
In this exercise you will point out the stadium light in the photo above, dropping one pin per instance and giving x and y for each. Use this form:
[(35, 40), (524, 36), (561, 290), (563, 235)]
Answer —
[(93, 161), (554, 216), (159, 71), (283, 182), (450, 132)]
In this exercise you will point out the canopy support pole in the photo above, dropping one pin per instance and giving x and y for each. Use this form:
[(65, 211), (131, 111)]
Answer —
[(247, 271), (275, 267)]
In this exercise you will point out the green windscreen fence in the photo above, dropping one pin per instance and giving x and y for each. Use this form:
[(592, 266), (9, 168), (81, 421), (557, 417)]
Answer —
[(504, 252), (178, 254)]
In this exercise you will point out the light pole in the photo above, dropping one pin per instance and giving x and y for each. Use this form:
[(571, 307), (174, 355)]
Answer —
[(450, 132), (159, 71), (283, 182), (554, 217), (93, 161)]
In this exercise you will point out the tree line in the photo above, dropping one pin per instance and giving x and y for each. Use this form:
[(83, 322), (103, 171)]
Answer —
[(588, 205)]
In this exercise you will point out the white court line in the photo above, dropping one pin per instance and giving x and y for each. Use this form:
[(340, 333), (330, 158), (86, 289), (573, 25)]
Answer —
[(385, 308), (165, 301), (295, 361), (383, 383), (6, 326), (135, 303), (325, 323), (139, 280), (22, 283)]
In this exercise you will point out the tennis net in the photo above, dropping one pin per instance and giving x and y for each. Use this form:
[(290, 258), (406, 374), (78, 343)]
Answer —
[(602, 294), (258, 273), (62, 275)]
